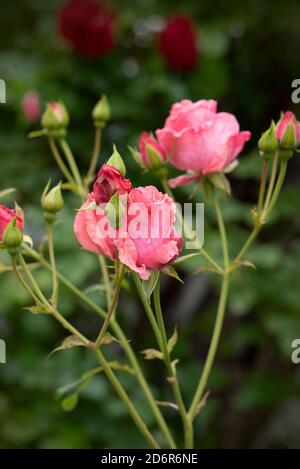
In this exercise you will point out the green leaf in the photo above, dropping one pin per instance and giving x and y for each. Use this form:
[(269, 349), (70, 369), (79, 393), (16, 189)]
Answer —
[(69, 342), (220, 181), (172, 341), (149, 285), (37, 309), (152, 354), (171, 272), (69, 403), (187, 257)]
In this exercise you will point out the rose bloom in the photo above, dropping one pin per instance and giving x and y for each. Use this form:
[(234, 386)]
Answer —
[(6, 216), (288, 119), (31, 106), (108, 182), (152, 241), (145, 141), (200, 140), (88, 26), (178, 44), (146, 238)]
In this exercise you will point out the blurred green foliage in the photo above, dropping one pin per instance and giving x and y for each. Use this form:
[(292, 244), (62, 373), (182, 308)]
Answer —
[(248, 58)]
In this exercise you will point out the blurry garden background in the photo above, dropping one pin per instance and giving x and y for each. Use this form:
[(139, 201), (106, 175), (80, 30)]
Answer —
[(246, 56)]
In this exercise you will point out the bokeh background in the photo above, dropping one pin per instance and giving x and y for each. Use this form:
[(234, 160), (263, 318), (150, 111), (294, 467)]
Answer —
[(246, 56)]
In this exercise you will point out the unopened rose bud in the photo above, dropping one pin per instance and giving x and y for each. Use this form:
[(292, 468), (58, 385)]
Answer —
[(268, 142), (55, 119), (151, 154), (52, 201), (116, 161), (12, 235), (101, 112), (288, 132)]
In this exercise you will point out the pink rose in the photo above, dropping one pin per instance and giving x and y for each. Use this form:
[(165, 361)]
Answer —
[(31, 106), (146, 238), (152, 241), (90, 227), (6, 216), (288, 131), (200, 140), (151, 153), (108, 182)]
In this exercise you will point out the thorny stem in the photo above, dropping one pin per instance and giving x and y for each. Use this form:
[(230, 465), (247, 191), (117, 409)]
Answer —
[(73, 166), (105, 278), (61, 164)]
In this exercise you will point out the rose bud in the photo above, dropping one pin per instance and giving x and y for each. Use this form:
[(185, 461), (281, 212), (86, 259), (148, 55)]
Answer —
[(55, 119), (31, 106), (52, 201), (11, 226), (268, 142), (178, 44), (198, 139), (151, 155), (288, 131), (109, 181), (101, 112)]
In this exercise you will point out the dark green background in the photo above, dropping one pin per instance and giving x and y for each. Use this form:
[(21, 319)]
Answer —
[(249, 57)]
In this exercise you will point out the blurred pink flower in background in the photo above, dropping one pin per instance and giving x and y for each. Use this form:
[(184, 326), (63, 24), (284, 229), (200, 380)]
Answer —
[(200, 140), (31, 106), (178, 43), (88, 26)]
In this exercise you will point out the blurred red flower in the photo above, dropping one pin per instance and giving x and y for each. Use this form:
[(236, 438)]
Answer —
[(88, 26), (178, 44)]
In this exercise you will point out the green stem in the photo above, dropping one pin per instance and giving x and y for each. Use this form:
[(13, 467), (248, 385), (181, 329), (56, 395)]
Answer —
[(105, 278), (73, 166), (278, 187), (117, 330), (22, 281), (61, 164), (220, 314), (272, 181), (53, 263), (126, 400), (202, 251), (148, 309), (187, 423), (112, 308), (221, 230), (262, 187), (93, 164), (212, 349)]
